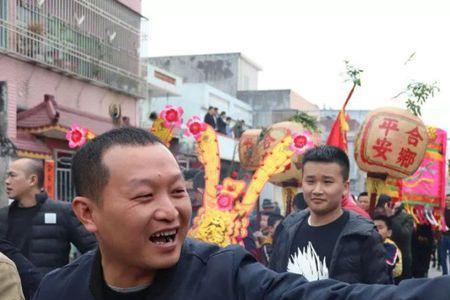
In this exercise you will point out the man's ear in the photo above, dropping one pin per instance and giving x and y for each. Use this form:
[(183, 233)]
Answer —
[(33, 179), (346, 188), (84, 210)]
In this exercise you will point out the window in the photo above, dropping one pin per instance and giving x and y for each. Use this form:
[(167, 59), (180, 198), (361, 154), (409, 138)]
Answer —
[(3, 16), (63, 181), (3, 97)]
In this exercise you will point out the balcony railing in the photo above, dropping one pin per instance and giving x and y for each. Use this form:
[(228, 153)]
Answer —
[(84, 41)]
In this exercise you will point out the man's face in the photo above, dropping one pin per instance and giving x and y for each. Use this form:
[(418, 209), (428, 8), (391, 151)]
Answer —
[(323, 187), (364, 202), (382, 229), (145, 210), (19, 182)]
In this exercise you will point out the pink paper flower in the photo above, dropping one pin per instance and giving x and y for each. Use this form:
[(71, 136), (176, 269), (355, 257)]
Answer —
[(301, 142), (225, 201), (195, 127), (76, 136), (172, 116)]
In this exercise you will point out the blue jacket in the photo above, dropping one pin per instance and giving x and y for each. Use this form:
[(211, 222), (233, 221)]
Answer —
[(208, 272), (358, 256)]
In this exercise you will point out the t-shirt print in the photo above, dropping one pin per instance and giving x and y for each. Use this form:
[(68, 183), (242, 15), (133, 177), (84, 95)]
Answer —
[(307, 263)]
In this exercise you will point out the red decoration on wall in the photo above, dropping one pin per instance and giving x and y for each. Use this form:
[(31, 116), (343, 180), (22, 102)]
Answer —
[(49, 174)]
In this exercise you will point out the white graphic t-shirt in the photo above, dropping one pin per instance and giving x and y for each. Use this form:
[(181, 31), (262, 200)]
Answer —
[(307, 263)]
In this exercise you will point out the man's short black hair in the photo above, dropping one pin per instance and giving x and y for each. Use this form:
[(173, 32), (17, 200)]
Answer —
[(274, 218), (209, 108), (153, 116), (362, 194), (385, 219), (90, 175), (383, 199), (328, 154)]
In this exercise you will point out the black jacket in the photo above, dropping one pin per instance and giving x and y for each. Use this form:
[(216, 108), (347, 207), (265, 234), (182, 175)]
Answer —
[(29, 276), (221, 125), (402, 232), (209, 119), (358, 256), (50, 243), (206, 272)]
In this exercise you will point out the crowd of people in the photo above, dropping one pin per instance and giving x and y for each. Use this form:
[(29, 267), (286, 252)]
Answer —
[(132, 221), (418, 244), (223, 123)]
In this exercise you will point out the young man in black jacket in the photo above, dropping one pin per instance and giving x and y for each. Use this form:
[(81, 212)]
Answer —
[(326, 241), (42, 229), (131, 194)]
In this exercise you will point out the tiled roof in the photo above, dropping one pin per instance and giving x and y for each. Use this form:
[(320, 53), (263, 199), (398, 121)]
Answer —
[(28, 142), (49, 113)]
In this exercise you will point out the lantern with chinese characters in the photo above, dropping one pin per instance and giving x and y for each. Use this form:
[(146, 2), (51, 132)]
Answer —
[(248, 155), (391, 141), (255, 145)]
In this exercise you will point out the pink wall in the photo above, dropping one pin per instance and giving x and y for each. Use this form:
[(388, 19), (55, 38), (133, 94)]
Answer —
[(28, 83), (133, 4)]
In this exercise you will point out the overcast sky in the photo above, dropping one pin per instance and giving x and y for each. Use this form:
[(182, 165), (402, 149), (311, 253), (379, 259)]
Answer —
[(301, 45)]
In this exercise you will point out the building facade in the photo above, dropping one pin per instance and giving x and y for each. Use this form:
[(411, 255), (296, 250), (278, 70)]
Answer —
[(78, 57), (272, 106), (228, 72)]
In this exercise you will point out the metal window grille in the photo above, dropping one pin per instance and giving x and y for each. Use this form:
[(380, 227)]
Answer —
[(63, 181), (98, 40)]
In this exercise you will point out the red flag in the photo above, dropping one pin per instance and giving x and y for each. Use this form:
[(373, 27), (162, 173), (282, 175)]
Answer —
[(338, 133)]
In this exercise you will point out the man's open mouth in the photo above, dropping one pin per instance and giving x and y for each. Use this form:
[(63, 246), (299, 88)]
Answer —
[(164, 237)]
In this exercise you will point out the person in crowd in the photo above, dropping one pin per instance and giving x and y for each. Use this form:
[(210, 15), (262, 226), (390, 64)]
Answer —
[(299, 203), (349, 204), (152, 117), (41, 228), (10, 286), (402, 232), (216, 115), (140, 215), (364, 201), (238, 129), (194, 188), (265, 243), (209, 117), (29, 276), (422, 247), (384, 206), (444, 249), (268, 206), (229, 128), (276, 209), (393, 253), (221, 124), (327, 241), (250, 241)]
